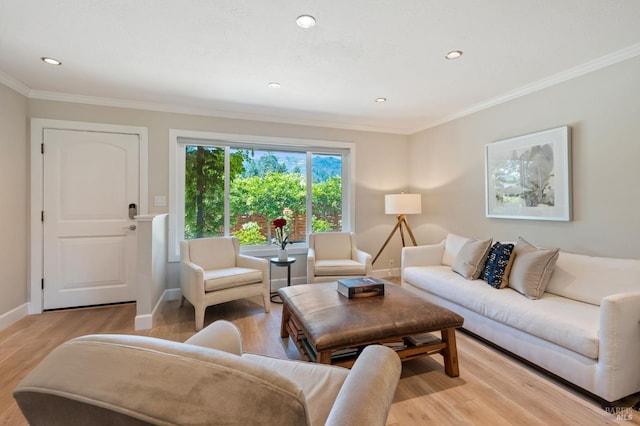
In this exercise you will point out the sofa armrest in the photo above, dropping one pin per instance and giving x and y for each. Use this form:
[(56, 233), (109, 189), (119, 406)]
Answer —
[(252, 262), (364, 258), (618, 366), (191, 280), (428, 255), (311, 264), (221, 335), (366, 395)]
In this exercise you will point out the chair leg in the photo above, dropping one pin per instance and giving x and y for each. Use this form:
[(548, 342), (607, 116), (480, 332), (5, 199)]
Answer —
[(200, 318), (266, 301), (182, 299)]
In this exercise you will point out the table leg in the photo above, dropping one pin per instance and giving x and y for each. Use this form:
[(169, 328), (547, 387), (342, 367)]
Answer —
[(450, 352), (270, 278), (324, 357), (273, 295), (284, 332)]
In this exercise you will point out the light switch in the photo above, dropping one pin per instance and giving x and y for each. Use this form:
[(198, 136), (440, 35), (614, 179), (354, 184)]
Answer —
[(160, 201)]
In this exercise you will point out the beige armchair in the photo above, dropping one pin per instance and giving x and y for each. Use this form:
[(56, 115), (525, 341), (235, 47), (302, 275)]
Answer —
[(334, 255), (213, 271), (135, 380)]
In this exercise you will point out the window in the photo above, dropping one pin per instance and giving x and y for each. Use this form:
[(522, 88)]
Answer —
[(226, 187)]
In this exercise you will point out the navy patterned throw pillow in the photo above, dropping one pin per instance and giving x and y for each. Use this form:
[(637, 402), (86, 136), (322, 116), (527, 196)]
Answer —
[(496, 268)]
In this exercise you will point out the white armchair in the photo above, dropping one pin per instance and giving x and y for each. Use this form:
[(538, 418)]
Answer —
[(334, 255), (213, 271), (208, 380)]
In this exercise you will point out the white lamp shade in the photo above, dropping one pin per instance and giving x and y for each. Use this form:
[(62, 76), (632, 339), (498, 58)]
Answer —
[(403, 204)]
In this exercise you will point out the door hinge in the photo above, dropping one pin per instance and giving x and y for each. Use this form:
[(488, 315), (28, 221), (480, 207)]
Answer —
[(42, 216), (42, 284), (42, 148)]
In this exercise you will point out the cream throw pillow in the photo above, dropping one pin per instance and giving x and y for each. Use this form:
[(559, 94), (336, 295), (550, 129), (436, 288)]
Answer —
[(452, 247), (532, 268), (471, 257)]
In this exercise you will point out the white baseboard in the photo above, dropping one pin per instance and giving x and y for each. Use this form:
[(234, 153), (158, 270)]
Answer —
[(282, 282), (384, 273), (172, 294), (145, 322), (13, 316)]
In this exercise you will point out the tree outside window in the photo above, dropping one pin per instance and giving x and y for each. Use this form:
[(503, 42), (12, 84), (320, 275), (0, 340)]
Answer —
[(264, 185)]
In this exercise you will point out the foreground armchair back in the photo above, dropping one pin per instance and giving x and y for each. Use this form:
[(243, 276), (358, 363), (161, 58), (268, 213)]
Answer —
[(335, 255), (135, 380), (213, 271)]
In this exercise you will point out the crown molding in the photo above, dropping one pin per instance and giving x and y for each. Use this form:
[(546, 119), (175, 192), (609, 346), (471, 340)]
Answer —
[(586, 68), (14, 84), (182, 109)]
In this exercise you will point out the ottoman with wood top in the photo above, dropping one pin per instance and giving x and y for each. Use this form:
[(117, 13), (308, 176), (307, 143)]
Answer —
[(328, 328)]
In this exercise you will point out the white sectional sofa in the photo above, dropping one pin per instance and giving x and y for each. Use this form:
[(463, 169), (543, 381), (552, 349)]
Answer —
[(584, 328)]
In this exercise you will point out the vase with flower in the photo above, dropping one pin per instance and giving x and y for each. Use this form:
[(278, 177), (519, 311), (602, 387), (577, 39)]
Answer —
[(280, 239)]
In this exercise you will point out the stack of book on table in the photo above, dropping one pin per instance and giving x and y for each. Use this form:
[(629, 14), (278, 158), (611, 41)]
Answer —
[(353, 288), (344, 354), (423, 339), (395, 344), (336, 356)]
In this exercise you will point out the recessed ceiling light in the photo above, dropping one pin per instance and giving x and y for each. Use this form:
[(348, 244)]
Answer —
[(305, 21), (380, 100), (274, 85), (454, 54), (51, 61)]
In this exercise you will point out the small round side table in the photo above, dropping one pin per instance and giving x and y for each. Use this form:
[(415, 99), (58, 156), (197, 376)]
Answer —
[(275, 261)]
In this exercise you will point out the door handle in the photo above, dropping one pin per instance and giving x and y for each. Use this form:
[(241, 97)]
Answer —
[(130, 227), (133, 210)]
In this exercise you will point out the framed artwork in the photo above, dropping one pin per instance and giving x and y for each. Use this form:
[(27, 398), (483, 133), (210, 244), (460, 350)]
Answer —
[(529, 177)]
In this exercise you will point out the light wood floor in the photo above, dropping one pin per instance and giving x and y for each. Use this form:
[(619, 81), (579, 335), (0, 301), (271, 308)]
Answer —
[(492, 388)]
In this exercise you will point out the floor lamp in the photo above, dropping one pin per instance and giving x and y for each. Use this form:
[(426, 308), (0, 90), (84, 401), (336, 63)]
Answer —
[(401, 205)]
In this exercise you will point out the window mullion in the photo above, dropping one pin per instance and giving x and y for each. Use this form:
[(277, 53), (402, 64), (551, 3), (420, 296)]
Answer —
[(309, 179), (227, 188)]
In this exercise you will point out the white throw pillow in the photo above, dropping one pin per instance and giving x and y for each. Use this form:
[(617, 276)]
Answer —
[(532, 268), (452, 246), (470, 259)]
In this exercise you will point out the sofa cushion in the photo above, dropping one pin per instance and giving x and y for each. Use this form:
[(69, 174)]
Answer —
[(452, 246), (220, 279), (581, 277), (532, 268), (332, 245), (212, 253), (329, 267), (471, 257), (320, 383), (498, 265), (565, 322)]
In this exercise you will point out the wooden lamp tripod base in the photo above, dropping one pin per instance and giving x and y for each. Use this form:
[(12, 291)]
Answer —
[(402, 220)]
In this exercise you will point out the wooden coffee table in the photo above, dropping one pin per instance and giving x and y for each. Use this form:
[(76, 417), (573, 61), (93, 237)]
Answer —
[(331, 329)]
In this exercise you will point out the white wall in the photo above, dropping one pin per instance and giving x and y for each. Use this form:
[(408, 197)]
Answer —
[(380, 161), (152, 269), (602, 108), (445, 164), (13, 205)]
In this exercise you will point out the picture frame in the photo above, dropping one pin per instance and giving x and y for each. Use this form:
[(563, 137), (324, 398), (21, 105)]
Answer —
[(529, 176)]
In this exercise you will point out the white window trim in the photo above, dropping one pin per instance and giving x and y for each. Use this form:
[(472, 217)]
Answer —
[(177, 165)]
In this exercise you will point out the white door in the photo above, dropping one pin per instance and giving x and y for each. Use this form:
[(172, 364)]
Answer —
[(90, 180)]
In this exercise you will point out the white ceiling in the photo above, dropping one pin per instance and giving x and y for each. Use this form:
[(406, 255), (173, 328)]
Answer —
[(216, 57)]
